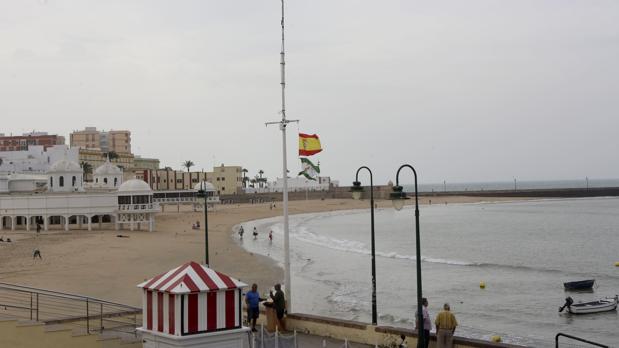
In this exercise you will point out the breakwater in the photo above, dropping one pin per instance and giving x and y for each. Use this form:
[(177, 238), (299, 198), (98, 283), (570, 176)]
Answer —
[(383, 191)]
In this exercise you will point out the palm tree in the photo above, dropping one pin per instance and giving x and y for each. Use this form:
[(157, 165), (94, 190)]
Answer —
[(188, 164), (245, 179), (86, 167), (112, 155), (260, 179)]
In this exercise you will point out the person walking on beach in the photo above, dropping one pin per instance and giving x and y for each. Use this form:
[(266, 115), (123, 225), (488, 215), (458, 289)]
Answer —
[(271, 236), (427, 323), (252, 299), (241, 231), (445, 326), (255, 232), (36, 253), (279, 305)]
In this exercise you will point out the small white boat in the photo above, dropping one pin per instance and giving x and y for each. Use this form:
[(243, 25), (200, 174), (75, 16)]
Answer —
[(602, 305)]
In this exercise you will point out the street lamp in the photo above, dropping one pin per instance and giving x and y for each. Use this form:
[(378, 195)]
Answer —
[(357, 191), (398, 198), (203, 193)]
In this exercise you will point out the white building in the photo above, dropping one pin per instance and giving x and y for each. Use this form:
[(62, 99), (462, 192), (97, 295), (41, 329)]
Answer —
[(65, 176), (107, 176), (301, 183), (36, 159), (59, 198), (135, 205), (15, 182)]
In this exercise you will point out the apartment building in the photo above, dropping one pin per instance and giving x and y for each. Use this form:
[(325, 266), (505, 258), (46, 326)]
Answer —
[(118, 141), (21, 142), (226, 179)]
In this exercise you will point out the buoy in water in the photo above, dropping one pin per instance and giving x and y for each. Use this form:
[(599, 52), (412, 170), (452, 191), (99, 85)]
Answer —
[(495, 338), (482, 285)]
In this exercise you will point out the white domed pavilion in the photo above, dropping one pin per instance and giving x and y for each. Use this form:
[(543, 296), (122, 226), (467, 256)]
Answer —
[(205, 185), (108, 176), (135, 204), (65, 176)]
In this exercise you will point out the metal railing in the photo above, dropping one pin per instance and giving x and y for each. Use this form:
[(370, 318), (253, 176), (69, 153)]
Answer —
[(174, 199), (140, 206), (51, 307), (577, 339)]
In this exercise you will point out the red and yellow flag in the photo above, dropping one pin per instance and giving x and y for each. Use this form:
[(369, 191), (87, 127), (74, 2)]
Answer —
[(309, 144)]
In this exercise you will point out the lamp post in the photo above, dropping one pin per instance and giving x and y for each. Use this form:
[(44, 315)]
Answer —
[(357, 190), (202, 193), (398, 198)]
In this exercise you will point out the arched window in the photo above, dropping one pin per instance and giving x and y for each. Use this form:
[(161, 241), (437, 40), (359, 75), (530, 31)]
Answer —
[(105, 181), (61, 181), (73, 181), (51, 181), (115, 182)]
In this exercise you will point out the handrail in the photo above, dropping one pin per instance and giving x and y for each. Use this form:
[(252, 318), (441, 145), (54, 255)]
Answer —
[(58, 294), (54, 307), (577, 339)]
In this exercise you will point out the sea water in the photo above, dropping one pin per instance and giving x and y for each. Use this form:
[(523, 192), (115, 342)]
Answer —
[(523, 251)]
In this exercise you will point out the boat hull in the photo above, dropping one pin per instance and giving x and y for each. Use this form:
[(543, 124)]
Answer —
[(604, 305), (579, 285)]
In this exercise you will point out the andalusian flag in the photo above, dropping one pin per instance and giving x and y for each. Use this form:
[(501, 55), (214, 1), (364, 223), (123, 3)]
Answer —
[(309, 144), (310, 170)]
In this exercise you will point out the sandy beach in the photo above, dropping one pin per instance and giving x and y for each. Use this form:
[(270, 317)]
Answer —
[(100, 264)]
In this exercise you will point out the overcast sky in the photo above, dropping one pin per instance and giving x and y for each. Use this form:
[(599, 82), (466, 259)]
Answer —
[(463, 90)]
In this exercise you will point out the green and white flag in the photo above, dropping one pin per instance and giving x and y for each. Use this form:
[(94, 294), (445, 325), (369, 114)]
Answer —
[(310, 170)]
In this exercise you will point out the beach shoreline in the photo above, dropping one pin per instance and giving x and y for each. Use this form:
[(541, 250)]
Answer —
[(103, 265)]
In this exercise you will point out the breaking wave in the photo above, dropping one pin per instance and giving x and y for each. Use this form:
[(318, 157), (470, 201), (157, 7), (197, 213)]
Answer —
[(305, 235)]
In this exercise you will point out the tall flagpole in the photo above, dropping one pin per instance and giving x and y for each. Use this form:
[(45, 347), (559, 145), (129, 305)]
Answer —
[(282, 126)]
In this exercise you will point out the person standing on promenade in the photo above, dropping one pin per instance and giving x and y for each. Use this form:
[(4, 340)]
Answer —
[(252, 299), (445, 326), (279, 304), (427, 324)]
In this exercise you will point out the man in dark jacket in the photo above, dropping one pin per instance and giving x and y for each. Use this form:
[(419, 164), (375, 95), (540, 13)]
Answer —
[(279, 305)]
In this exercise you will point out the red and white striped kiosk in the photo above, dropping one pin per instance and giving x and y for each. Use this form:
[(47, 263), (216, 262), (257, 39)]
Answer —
[(190, 306)]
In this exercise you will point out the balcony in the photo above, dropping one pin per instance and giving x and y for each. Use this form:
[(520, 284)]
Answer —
[(138, 207)]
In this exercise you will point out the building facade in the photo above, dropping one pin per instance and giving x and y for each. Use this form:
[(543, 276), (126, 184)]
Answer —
[(22, 142), (141, 163), (97, 158), (60, 197), (36, 159), (118, 141), (301, 183), (225, 179)]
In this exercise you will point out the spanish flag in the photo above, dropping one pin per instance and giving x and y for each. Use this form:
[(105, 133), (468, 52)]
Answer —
[(309, 144)]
